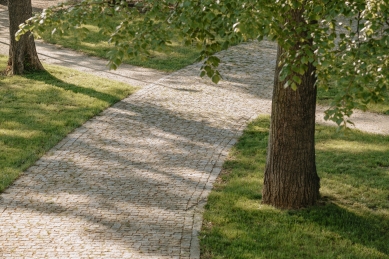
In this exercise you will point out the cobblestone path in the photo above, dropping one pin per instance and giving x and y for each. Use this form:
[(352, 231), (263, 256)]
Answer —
[(131, 182)]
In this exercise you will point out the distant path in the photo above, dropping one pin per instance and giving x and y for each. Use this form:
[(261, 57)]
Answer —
[(132, 182)]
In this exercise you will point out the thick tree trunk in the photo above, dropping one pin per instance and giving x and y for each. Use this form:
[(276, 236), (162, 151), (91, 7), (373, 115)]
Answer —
[(22, 54), (291, 181)]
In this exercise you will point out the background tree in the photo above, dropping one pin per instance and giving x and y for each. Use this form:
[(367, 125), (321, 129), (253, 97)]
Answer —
[(313, 46), (22, 53)]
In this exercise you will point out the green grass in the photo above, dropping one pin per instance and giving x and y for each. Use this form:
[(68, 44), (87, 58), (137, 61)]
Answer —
[(325, 97), (39, 109), (351, 221), (170, 58)]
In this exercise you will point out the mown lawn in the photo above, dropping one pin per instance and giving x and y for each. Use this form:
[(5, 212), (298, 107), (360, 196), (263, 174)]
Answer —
[(351, 220), (39, 109)]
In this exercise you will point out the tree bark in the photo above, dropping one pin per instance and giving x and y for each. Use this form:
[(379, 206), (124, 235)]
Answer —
[(22, 54), (291, 180)]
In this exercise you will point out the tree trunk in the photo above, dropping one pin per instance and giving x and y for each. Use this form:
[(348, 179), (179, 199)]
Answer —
[(291, 181), (22, 54)]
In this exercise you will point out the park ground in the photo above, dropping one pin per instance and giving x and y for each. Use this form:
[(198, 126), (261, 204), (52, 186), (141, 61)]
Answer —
[(39, 110)]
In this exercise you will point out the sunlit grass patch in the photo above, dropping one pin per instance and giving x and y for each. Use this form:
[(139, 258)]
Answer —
[(39, 109), (350, 221)]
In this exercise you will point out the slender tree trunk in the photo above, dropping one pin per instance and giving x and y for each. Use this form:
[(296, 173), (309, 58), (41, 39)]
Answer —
[(22, 54), (291, 181)]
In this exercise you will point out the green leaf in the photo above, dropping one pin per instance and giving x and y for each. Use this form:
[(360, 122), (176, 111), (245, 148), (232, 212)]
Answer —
[(216, 78), (293, 86), (297, 80)]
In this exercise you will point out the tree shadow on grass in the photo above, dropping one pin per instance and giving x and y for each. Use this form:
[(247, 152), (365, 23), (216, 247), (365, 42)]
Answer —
[(369, 230), (328, 231), (49, 79), (354, 166), (237, 226)]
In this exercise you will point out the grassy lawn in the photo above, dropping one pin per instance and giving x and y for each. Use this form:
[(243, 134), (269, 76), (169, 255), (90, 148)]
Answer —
[(39, 109), (325, 97), (170, 58), (352, 220)]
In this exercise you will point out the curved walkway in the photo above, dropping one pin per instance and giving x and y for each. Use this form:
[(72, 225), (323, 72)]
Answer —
[(131, 182)]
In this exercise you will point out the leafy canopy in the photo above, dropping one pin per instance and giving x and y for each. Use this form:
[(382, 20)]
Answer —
[(348, 40)]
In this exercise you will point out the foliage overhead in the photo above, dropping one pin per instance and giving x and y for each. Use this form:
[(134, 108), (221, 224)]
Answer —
[(348, 39)]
